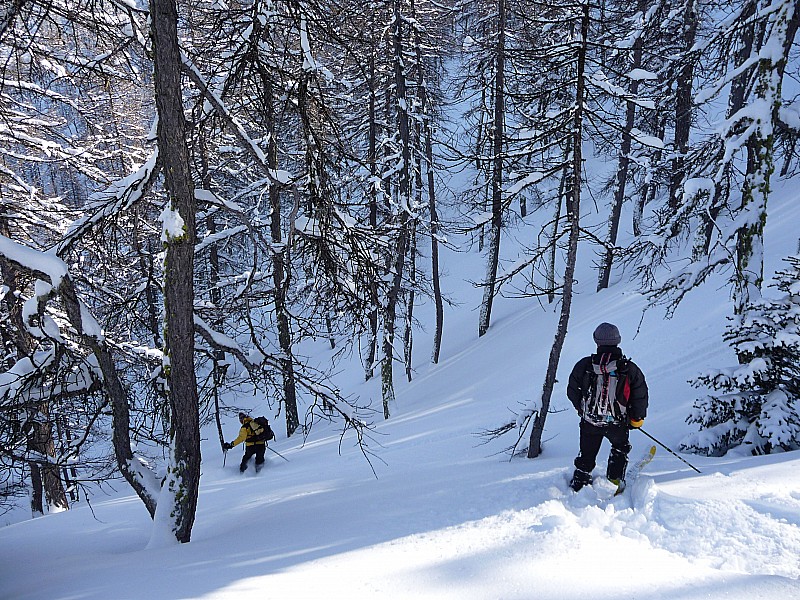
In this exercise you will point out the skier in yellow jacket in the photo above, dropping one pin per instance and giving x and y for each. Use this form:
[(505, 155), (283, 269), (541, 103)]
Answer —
[(252, 446)]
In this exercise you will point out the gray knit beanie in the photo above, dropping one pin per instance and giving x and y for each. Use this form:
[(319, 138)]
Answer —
[(607, 334)]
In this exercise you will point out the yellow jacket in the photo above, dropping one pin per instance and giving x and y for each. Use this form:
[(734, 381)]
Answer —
[(244, 433)]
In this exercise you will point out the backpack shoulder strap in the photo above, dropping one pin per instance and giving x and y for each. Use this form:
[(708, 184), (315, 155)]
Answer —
[(589, 379)]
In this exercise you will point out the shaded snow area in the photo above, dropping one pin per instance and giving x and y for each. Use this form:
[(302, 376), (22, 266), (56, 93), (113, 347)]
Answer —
[(446, 514), (441, 521)]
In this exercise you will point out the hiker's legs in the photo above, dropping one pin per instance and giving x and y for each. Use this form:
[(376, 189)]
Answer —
[(590, 440), (620, 447), (260, 449), (248, 452)]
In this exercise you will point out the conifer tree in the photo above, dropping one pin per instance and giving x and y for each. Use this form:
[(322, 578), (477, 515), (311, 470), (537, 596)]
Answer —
[(758, 404)]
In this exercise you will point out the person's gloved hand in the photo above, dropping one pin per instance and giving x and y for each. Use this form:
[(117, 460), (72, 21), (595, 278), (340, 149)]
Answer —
[(226, 446), (636, 423)]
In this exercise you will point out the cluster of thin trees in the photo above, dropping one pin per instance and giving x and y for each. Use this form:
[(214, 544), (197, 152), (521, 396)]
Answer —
[(192, 191), (684, 105)]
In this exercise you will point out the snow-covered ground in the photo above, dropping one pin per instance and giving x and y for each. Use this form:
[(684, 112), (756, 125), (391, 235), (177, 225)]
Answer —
[(445, 515)]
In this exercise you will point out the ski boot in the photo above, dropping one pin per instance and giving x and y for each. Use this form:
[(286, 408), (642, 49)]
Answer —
[(579, 479)]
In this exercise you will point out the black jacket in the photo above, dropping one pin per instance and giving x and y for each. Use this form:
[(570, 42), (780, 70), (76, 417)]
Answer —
[(579, 380)]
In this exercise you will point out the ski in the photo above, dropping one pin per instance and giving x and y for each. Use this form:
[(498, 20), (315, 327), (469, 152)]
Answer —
[(634, 471)]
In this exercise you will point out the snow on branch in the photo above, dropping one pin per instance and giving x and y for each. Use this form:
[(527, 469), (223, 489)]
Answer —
[(118, 196), (276, 176), (600, 79), (219, 236), (45, 265)]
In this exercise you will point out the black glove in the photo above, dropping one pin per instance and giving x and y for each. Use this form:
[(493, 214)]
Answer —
[(226, 446)]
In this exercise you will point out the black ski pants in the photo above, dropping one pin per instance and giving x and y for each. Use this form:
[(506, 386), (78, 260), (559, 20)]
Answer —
[(258, 450), (590, 441)]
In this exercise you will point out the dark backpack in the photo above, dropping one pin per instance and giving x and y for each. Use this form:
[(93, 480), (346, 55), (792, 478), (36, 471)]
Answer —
[(262, 432), (606, 391)]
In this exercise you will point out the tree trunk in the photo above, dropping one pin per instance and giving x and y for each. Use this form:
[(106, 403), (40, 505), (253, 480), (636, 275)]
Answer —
[(280, 269), (404, 197), (37, 490), (408, 334), (372, 158), (623, 165), (178, 502), (434, 217), (390, 315), (68, 473), (648, 190), (683, 106), (573, 217), (424, 131), (479, 161), (219, 368), (736, 101), (498, 134), (41, 442), (563, 193), (145, 255), (755, 191)]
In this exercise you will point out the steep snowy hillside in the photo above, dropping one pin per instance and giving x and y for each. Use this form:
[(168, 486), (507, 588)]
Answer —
[(445, 515)]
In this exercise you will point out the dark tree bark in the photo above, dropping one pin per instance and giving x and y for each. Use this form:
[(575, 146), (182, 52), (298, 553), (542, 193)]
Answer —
[(408, 333), (563, 193), (372, 159), (760, 165), (683, 105), (736, 100), (623, 164), (219, 368), (402, 224), (426, 133), (434, 217), (573, 218), (498, 133), (182, 482), (37, 490), (280, 264), (40, 441)]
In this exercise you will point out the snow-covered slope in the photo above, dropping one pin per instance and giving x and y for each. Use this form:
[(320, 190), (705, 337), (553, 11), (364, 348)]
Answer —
[(445, 515)]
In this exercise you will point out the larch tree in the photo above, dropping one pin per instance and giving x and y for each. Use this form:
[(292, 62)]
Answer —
[(576, 16), (60, 143), (177, 503), (628, 64), (739, 156)]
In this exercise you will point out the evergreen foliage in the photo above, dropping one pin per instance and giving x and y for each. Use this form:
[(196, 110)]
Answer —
[(759, 403)]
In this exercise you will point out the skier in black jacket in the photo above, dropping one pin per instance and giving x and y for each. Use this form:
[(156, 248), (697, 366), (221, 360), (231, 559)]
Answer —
[(610, 394)]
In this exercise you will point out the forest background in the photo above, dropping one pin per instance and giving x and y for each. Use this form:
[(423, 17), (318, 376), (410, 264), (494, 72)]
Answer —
[(194, 195)]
